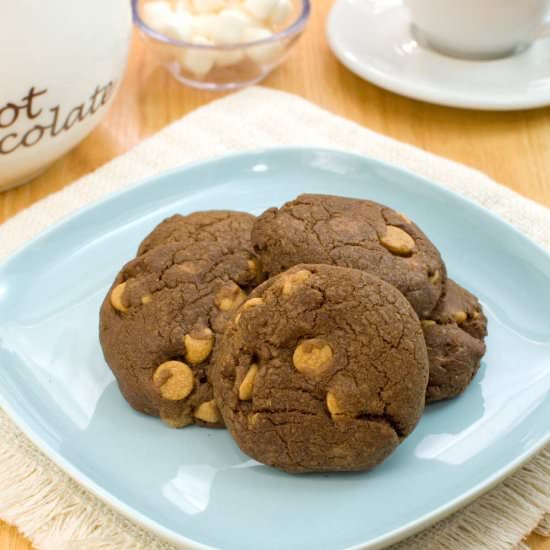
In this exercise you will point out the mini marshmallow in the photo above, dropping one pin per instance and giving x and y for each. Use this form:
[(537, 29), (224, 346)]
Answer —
[(181, 26), (253, 34), (157, 15), (281, 12), (230, 26), (264, 53), (261, 9), (197, 61), (208, 6), (204, 27), (237, 16), (231, 57), (184, 5)]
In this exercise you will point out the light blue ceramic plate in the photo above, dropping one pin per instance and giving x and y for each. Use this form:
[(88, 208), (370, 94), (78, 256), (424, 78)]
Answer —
[(194, 486)]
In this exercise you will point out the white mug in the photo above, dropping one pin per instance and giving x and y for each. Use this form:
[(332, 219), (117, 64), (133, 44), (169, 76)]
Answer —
[(478, 29), (60, 65)]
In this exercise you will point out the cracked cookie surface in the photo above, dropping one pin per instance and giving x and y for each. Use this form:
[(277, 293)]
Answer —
[(322, 369), (161, 321), (220, 226), (454, 336), (355, 233)]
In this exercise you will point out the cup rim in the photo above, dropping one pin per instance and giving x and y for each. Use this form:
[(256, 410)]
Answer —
[(295, 27)]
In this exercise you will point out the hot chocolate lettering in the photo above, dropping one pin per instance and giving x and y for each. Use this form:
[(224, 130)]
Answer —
[(32, 106)]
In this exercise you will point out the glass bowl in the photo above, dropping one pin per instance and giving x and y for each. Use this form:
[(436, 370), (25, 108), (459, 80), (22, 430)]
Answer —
[(224, 67)]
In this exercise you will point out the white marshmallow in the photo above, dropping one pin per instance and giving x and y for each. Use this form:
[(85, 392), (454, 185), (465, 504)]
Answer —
[(281, 12), (230, 26), (256, 33), (181, 26), (185, 5), (265, 53), (157, 15), (261, 9), (208, 6), (231, 57), (237, 16), (204, 27), (197, 61)]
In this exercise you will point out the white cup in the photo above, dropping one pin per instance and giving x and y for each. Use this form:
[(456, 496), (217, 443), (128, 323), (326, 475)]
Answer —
[(478, 29), (60, 65)]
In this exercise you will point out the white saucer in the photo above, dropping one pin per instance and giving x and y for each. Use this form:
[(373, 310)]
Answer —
[(373, 39)]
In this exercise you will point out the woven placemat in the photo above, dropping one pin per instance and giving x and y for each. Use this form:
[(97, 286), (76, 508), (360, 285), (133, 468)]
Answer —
[(57, 514)]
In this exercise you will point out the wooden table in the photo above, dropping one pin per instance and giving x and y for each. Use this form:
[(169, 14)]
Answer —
[(513, 148)]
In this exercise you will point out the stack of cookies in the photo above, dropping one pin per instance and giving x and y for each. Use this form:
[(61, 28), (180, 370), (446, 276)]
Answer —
[(316, 332)]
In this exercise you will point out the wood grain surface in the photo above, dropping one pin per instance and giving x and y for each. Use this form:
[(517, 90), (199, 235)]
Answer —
[(513, 147)]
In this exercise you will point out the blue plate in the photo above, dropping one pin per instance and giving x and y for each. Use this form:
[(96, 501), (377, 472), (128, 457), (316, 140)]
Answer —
[(194, 486)]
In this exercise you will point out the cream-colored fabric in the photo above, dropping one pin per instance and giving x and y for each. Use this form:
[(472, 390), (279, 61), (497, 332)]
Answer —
[(59, 515)]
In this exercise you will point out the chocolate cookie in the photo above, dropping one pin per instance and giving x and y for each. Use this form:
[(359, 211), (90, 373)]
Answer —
[(454, 338), (221, 226), (161, 321), (324, 229), (323, 368)]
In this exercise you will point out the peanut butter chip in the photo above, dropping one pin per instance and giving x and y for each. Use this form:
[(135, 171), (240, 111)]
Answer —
[(476, 315), (247, 385), (198, 345), (147, 299), (406, 219), (254, 267), (253, 302), (116, 297), (174, 380), (189, 267), (397, 241), (333, 406), (230, 296), (435, 277), (253, 419), (179, 421), (460, 316), (208, 412), (312, 357), (293, 280), (427, 323)]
